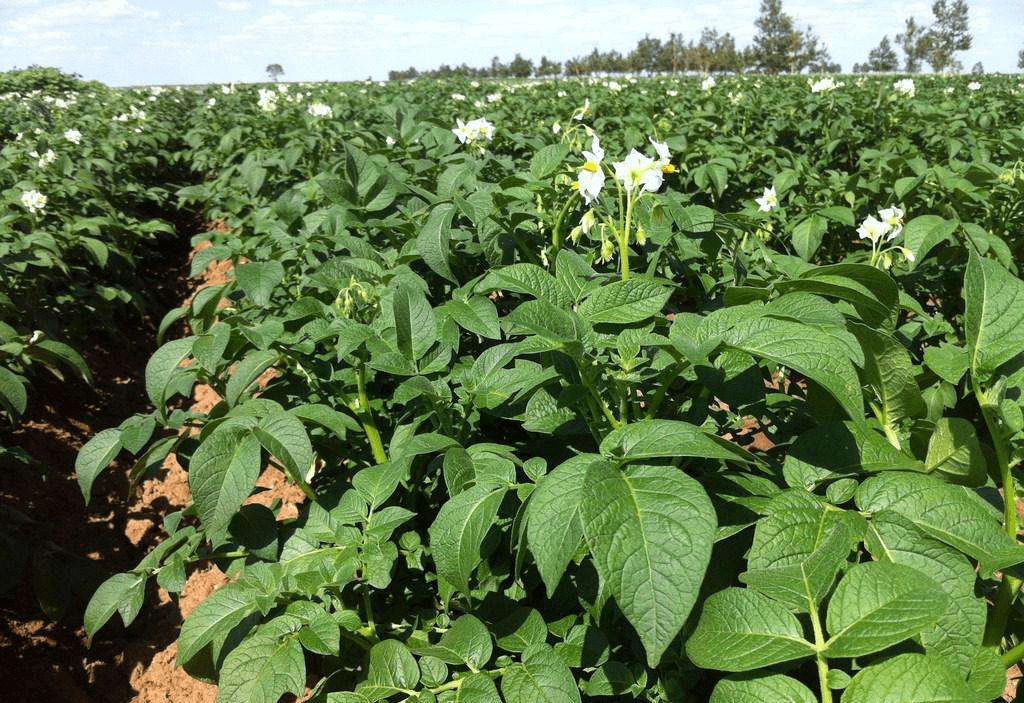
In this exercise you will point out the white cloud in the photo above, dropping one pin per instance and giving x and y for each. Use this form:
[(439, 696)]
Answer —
[(78, 12), (233, 5)]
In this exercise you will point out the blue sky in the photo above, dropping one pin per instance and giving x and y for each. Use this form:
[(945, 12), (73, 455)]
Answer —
[(131, 42)]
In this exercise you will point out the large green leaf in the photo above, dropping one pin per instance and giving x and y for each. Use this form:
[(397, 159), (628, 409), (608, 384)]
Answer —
[(761, 688), (955, 452), (805, 349), (541, 677), (740, 630), (434, 241), (392, 670), (993, 317), (624, 302), (213, 619), (889, 372), (162, 367), (221, 475), (796, 555), (909, 678), (952, 514), (265, 666), (553, 525), (259, 279), (648, 439), (283, 435), (650, 531), (530, 279), (459, 530), (879, 604), (121, 593)]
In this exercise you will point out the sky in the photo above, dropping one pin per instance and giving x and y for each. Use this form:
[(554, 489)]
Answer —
[(147, 42)]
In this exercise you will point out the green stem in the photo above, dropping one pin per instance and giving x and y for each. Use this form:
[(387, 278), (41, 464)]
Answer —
[(623, 237), (366, 416), (299, 481), (556, 232), (1009, 586), (1012, 656), (819, 646), (600, 401), (356, 639), (369, 611)]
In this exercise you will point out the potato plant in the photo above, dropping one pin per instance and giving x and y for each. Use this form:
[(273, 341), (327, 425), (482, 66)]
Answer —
[(659, 393)]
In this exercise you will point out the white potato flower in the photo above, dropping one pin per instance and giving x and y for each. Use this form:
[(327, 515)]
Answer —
[(639, 171), (974, 85), (708, 83), (458, 97), (824, 85), (768, 200), (320, 110), (73, 136), (211, 102), (33, 200), (389, 140), (893, 217), (588, 221), (591, 176), (267, 100), (906, 87), (873, 229), (474, 130), (672, 93), (493, 97)]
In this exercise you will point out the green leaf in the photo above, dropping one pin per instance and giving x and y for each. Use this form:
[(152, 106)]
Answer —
[(547, 321), (804, 349), (807, 236), (650, 531), (949, 362), (548, 160), (53, 352), (924, 232), (761, 688), (121, 593), (466, 642), (994, 315), (879, 604), (624, 302), (987, 674), (836, 449), (458, 532), (214, 617), (434, 241), (540, 678), (958, 631), (392, 670), (95, 456), (162, 367), (530, 279), (955, 453), (259, 279), (889, 371), (221, 475), (478, 315), (12, 392), (265, 666), (952, 514), (909, 678), (521, 629), (740, 629), (477, 688), (553, 525), (796, 555), (415, 322), (375, 484), (246, 373), (650, 439), (283, 435), (872, 292)]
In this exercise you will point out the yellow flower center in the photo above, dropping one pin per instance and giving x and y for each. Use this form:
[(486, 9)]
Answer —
[(590, 166)]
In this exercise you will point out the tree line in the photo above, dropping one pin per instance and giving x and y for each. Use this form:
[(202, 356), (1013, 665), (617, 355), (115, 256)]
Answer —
[(779, 46)]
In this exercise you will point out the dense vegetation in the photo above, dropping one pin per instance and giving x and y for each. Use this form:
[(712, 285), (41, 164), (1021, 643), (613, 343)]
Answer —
[(723, 418)]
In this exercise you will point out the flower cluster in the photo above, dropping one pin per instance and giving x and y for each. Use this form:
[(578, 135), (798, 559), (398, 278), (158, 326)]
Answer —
[(974, 85), (473, 131), (267, 100), (888, 224), (905, 86), (708, 83), (34, 201), (320, 110), (73, 136), (44, 159), (824, 85)]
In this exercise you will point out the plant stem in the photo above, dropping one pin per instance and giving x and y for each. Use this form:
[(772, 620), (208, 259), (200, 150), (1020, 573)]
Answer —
[(366, 415), (556, 232), (1012, 656), (819, 645), (623, 237), (600, 401), (1008, 587), (369, 611)]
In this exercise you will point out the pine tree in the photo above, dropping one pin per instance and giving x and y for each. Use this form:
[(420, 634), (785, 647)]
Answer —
[(883, 58), (777, 39), (915, 40)]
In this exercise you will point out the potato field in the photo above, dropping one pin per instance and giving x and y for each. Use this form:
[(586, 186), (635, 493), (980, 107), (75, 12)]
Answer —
[(667, 389)]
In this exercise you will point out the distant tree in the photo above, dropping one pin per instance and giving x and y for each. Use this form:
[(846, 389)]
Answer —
[(1020, 59), (814, 55), (547, 67), (882, 59), (950, 33), (777, 38), (498, 69), (520, 67), (915, 40), (275, 71), (673, 54), (644, 57), (978, 68)]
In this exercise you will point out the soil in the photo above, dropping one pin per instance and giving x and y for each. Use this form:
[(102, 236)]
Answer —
[(47, 659)]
